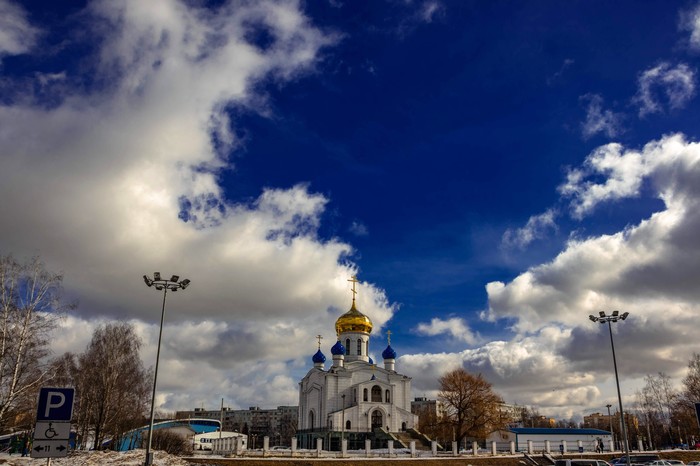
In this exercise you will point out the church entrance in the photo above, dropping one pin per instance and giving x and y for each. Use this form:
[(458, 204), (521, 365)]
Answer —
[(377, 421)]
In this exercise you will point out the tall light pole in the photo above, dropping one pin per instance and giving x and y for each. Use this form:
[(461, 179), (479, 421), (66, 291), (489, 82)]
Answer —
[(614, 317), (163, 285), (612, 434)]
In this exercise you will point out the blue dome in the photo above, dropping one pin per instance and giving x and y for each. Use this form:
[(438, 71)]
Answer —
[(338, 349), (371, 361), (319, 357), (389, 353)]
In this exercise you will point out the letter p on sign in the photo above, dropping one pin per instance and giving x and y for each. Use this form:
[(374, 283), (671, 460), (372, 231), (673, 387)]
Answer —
[(55, 404)]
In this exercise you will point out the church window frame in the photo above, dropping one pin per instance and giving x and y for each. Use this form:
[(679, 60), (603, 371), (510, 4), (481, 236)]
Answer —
[(376, 394), (359, 347), (347, 347), (348, 425), (387, 396), (364, 394)]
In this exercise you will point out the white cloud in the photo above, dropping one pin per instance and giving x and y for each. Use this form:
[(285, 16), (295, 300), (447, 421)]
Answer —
[(665, 85), (599, 120), (536, 228), (358, 228), (455, 327), (430, 9), (690, 21), (17, 35), (648, 269), (557, 359), (622, 177), (98, 181)]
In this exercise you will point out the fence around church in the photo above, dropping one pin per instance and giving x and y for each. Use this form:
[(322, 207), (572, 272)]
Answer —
[(232, 447)]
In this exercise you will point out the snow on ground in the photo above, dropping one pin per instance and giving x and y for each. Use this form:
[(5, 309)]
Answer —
[(96, 458)]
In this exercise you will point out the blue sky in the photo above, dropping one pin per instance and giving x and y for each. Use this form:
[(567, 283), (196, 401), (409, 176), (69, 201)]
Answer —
[(493, 172)]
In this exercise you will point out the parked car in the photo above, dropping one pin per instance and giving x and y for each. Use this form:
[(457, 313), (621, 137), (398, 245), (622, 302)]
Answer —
[(581, 462), (676, 462), (693, 463), (659, 463)]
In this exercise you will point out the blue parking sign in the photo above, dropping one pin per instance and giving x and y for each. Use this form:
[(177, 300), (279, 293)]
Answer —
[(55, 404)]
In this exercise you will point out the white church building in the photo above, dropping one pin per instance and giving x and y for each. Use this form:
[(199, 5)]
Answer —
[(353, 399)]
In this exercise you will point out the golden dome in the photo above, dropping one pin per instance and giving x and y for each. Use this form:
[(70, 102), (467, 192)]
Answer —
[(353, 321)]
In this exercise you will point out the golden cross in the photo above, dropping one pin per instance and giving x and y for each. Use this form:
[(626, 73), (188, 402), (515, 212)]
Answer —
[(354, 291), (388, 337), (319, 337)]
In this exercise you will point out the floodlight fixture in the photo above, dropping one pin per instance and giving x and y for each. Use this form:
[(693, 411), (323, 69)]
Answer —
[(615, 313), (161, 285), (601, 313), (624, 315), (593, 318)]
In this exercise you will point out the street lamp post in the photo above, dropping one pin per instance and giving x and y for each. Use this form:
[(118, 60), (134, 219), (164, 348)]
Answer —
[(163, 285), (612, 434), (614, 317)]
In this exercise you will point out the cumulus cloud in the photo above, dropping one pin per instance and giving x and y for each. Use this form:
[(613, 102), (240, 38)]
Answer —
[(599, 120), (454, 327), (557, 359), (536, 228), (120, 178), (664, 85), (17, 34)]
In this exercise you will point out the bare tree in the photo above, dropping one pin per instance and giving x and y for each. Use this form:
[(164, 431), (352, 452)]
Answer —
[(472, 407), (30, 306), (111, 383)]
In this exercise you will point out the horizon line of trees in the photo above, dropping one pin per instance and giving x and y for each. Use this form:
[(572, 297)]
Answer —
[(111, 384)]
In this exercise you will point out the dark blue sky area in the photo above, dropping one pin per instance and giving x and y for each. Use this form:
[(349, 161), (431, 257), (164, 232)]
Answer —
[(439, 135)]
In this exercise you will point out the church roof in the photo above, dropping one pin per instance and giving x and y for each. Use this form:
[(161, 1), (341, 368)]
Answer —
[(318, 357), (353, 321), (389, 353), (337, 349)]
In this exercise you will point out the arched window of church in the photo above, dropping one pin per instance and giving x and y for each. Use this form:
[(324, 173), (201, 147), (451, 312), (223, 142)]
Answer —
[(364, 395), (311, 419), (347, 425), (377, 394), (387, 398), (359, 347), (347, 346), (403, 426), (367, 346)]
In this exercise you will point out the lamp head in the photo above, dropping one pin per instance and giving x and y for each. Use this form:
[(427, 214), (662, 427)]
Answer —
[(624, 315), (148, 281), (593, 318), (185, 283), (174, 278), (601, 313), (616, 313), (156, 276)]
